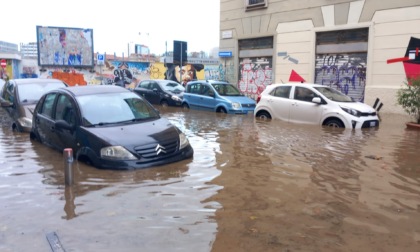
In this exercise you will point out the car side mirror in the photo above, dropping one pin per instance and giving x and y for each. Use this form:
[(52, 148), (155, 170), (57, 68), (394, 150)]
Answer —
[(317, 100), (61, 124)]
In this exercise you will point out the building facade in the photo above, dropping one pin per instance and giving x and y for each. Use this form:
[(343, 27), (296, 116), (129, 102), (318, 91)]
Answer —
[(29, 50), (9, 54), (360, 47)]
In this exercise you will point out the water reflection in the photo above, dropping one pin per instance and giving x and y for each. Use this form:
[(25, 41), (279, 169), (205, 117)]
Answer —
[(251, 186)]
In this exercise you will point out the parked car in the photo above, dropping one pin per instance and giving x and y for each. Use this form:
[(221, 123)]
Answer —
[(108, 127), (19, 97), (1, 86), (161, 92), (217, 96), (314, 104)]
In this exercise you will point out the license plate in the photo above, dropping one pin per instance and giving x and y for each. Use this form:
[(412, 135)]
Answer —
[(372, 124)]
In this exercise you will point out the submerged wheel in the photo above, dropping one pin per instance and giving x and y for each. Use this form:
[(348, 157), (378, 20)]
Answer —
[(164, 103), (334, 123), (222, 110), (264, 115), (185, 106)]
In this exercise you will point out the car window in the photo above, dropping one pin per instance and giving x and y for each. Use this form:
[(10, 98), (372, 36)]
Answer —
[(281, 91), (205, 90), (65, 110), (154, 86), (47, 106), (194, 88), (8, 92), (334, 95), (32, 92), (226, 89), (114, 108), (173, 87), (304, 94), (144, 84)]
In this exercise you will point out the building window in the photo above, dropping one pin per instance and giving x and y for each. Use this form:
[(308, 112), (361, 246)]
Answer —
[(255, 4), (256, 43)]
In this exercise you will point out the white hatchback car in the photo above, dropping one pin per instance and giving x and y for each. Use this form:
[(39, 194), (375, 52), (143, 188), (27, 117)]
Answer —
[(314, 104)]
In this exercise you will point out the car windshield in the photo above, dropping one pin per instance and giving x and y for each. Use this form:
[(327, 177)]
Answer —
[(226, 89), (334, 95), (127, 107), (32, 92), (174, 87)]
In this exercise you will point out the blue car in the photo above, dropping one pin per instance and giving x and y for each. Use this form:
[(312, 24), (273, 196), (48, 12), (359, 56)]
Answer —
[(216, 96)]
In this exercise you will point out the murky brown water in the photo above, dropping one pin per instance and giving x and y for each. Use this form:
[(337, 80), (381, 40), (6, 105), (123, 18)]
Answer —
[(251, 186)]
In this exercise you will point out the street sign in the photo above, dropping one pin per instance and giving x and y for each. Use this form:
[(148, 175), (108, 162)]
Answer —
[(100, 59), (3, 63), (227, 54)]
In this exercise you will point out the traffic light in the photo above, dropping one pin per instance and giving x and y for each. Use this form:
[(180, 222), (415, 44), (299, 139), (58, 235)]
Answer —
[(180, 52)]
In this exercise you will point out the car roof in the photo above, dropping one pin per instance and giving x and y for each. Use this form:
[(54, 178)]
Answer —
[(34, 80), (164, 81), (159, 80), (209, 82), (94, 89), (297, 84)]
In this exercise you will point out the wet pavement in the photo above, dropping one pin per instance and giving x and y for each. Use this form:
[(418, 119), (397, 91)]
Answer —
[(251, 186)]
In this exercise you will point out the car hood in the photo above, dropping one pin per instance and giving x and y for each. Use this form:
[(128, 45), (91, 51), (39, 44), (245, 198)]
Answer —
[(240, 99), (177, 93), (136, 134), (29, 110), (362, 107)]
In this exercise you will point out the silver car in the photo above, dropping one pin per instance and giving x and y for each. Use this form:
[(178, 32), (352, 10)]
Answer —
[(19, 97)]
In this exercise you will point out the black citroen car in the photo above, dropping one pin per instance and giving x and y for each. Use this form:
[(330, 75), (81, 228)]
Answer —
[(108, 127), (161, 92)]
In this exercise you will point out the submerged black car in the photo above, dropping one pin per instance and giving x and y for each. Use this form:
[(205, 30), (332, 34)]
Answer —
[(108, 127), (161, 92), (19, 97)]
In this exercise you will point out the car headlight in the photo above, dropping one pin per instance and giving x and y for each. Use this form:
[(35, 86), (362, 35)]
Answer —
[(183, 141), (25, 122), (116, 153), (352, 111), (176, 98), (236, 105)]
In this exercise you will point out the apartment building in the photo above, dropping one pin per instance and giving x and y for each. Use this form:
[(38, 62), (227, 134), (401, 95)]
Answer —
[(365, 48)]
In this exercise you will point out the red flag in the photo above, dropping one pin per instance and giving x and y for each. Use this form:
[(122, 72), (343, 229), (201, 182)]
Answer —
[(296, 77)]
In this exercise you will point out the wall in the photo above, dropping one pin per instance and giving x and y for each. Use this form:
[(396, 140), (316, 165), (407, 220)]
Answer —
[(111, 72), (391, 35), (294, 25)]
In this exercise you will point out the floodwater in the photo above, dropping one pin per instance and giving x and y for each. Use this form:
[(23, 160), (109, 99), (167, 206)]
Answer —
[(251, 186)]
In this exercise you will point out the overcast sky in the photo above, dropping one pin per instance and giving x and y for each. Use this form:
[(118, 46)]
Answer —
[(115, 24)]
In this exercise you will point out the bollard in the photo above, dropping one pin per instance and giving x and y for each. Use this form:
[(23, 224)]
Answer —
[(68, 166)]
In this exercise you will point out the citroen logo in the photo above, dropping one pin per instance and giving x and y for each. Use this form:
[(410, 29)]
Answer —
[(160, 149)]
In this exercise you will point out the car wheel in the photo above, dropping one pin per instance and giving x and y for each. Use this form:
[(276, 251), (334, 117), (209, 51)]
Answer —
[(15, 128), (34, 136), (334, 123), (222, 110), (264, 115), (185, 107), (164, 103)]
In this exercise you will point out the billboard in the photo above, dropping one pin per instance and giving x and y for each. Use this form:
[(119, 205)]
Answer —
[(67, 47)]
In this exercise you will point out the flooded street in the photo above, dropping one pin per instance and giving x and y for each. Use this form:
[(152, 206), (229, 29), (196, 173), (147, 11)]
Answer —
[(251, 186)]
